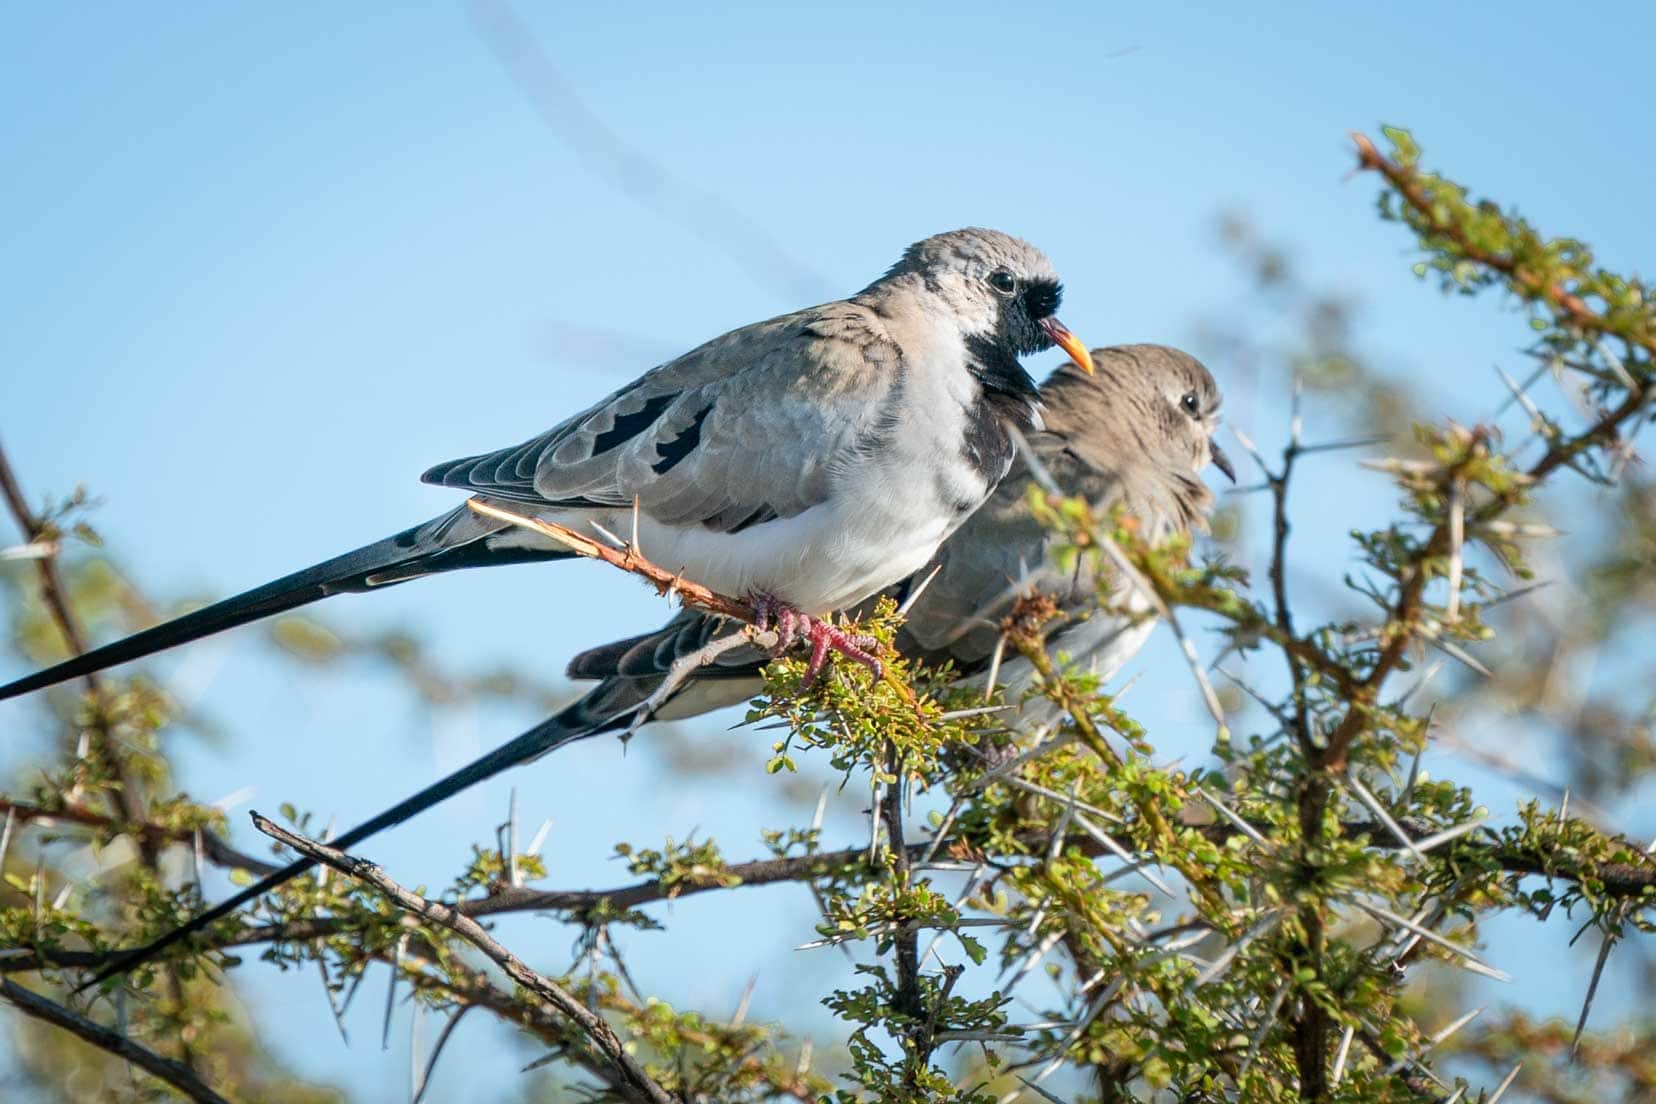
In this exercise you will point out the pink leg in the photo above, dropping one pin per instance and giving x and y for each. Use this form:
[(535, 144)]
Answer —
[(788, 621)]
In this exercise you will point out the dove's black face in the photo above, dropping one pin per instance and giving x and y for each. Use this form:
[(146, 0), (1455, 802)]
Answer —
[(1042, 298), (1022, 307), (1027, 307)]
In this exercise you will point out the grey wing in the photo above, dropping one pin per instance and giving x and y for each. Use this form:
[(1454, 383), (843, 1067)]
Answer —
[(739, 431)]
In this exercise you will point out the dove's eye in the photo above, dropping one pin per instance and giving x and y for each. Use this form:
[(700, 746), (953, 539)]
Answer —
[(1191, 404), (1003, 281)]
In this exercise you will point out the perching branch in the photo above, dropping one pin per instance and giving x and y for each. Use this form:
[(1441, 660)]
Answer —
[(631, 559)]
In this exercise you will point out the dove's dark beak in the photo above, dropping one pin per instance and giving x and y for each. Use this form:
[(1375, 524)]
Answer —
[(1221, 461), (1068, 342)]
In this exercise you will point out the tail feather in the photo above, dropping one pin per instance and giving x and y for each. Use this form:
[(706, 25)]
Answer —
[(575, 722), (611, 705), (458, 539)]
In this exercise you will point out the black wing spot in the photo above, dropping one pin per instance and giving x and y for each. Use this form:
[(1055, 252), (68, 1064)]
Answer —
[(671, 452), (628, 426)]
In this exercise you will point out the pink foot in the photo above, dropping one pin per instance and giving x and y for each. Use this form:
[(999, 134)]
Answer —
[(791, 625), (826, 638)]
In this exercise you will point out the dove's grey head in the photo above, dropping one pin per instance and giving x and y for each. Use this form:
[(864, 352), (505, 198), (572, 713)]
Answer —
[(1002, 292), (1148, 411)]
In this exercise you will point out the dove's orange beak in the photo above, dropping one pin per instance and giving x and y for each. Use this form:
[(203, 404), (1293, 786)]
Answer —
[(1068, 342)]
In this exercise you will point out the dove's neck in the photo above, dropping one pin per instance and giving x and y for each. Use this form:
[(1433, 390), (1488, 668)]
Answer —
[(997, 371), (1006, 400)]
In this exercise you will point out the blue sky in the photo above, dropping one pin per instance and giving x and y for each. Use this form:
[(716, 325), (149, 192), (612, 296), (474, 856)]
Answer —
[(267, 264)]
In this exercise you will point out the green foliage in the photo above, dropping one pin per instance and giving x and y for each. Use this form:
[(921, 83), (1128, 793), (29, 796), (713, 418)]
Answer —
[(679, 865)]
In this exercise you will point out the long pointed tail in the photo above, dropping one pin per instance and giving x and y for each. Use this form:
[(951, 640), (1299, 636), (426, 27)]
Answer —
[(458, 539), (575, 722)]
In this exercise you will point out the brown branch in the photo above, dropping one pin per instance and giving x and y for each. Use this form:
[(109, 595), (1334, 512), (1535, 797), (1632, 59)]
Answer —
[(906, 999), (131, 801), (1402, 178), (215, 847), (1619, 879), (128, 799), (629, 559), (1627, 880), (637, 1083), (1310, 1023), (51, 585), (1298, 648), (510, 899), (176, 1074)]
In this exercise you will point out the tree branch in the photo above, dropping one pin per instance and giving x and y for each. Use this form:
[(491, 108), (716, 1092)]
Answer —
[(1403, 180), (131, 801), (215, 847), (1618, 879), (176, 1074), (906, 1000), (128, 799), (638, 1084)]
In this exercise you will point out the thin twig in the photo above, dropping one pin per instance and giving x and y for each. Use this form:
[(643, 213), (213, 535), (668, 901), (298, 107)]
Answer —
[(639, 1084), (1603, 959)]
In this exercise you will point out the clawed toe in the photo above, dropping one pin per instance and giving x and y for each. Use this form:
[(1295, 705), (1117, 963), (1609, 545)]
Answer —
[(790, 626), (825, 638)]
